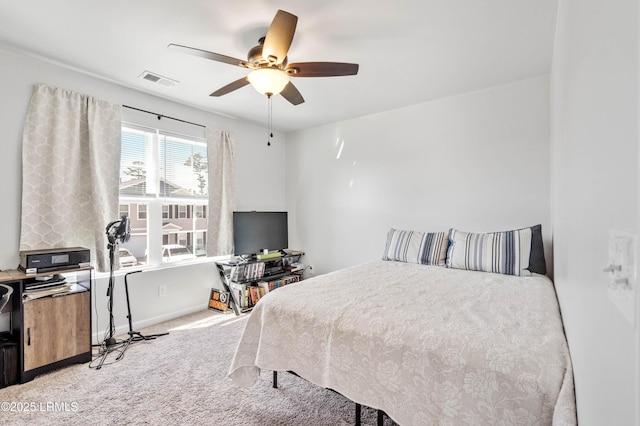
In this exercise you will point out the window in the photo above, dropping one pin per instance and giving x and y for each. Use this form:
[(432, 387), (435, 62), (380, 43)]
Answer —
[(200, 212), (142, 211), (164, 186), (183, 212)]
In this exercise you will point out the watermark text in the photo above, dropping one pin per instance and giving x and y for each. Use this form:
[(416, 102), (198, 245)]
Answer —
[(43, 406)]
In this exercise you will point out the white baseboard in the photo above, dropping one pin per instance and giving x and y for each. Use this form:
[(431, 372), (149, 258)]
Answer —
[(98, 336)]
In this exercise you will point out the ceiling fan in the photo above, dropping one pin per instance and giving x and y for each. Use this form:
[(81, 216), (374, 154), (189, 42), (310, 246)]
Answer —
[(270, 70)]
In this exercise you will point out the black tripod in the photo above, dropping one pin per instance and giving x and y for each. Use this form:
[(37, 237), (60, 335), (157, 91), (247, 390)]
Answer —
[(134, 336), (116, 231)]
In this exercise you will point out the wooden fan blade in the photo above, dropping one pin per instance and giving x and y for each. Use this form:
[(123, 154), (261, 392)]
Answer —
[(209, 55), (279, 37), (291, 93), (231, 87), (321, 69)]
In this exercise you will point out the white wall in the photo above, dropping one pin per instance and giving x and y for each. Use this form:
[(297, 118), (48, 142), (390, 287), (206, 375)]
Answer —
[(478, 162), (595, 189), (188, 286)]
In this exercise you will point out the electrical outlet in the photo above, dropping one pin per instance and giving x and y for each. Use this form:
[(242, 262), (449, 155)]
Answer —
[(311, 269), (162, 290)]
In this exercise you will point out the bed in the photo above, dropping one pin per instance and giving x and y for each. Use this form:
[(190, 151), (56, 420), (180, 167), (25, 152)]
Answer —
[(425, 343)]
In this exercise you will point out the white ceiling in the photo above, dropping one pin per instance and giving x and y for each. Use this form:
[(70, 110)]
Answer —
[(409, 51)]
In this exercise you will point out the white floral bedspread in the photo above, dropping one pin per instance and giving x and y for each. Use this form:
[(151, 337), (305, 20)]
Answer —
[(426, 344)]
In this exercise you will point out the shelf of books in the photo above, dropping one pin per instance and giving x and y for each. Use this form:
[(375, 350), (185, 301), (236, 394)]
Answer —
[(248, 281), (248, 295)]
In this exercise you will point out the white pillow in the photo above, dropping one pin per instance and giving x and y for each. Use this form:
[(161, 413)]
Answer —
[(501, 252), (427, 248)]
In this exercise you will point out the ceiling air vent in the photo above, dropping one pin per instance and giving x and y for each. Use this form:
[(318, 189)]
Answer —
[(158, 79)]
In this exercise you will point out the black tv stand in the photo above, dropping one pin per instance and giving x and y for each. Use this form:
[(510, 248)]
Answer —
[(274, 268)]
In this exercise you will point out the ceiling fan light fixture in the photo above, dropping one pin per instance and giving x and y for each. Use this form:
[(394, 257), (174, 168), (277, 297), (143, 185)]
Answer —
[(268, 81), (270, 65)]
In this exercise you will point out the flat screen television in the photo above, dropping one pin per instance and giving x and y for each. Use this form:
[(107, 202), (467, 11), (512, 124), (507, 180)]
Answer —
[(255, 231)]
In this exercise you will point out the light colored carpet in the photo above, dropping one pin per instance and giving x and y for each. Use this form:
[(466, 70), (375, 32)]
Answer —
[(178, 379)]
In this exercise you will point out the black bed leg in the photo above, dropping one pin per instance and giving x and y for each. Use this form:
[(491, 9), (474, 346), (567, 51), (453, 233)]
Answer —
[(380, 418), (358, 409), (275, 379)]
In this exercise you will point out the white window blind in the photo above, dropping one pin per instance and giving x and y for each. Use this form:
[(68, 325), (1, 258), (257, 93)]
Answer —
[(157, 164)]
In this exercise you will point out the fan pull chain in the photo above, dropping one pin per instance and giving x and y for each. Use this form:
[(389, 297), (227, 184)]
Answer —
[(269, 119)]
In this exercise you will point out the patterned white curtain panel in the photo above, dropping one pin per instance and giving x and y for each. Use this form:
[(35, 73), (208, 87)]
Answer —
[(70, 168), (222, 200)]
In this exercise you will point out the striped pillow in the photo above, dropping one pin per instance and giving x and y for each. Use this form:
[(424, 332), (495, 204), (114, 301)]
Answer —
[(501, 252), (427, 248)]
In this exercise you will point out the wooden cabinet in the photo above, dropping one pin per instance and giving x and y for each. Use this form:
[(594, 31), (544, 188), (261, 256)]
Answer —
[(55, 328)]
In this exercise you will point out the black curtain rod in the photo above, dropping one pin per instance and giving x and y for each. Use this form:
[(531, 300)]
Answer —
[(164, 116)]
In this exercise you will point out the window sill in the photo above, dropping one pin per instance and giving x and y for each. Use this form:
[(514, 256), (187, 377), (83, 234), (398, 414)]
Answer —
[(169, 265)]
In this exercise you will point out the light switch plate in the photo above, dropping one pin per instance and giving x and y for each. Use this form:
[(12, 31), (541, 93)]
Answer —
[(622, 279)]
